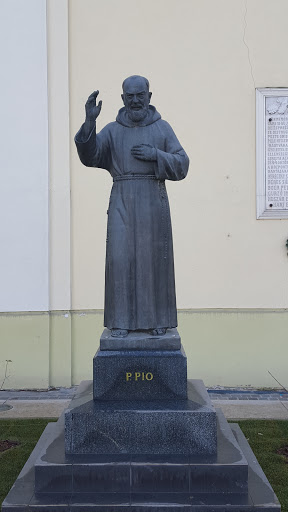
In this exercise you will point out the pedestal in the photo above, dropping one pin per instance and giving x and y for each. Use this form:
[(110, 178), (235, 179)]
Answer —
[(143, 427), (140, 375), (141, 341), (120, 451)]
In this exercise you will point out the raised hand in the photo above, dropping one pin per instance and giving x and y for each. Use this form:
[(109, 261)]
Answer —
[(144, 152), (93, 110)]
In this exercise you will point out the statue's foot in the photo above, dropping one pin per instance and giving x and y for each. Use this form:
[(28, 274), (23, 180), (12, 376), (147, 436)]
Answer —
[(119, 333), (159, 332)]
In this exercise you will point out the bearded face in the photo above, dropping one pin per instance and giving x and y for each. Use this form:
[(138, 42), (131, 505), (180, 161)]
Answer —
[(136, 98)]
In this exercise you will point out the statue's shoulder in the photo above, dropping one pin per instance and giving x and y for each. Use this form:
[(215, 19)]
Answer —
[(110, 126), (163, 123), (165, 127), (108, 129)]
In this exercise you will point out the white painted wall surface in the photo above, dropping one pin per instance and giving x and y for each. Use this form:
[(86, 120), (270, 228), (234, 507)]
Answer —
[(59, 156), (204, 60), (23, 156)]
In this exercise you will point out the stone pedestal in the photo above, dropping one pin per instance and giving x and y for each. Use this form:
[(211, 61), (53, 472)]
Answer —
[(141, 341), (144, 427), (143, 445), (140, 375)]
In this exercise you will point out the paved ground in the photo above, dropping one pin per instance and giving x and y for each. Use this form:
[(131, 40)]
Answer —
[(236, 404), (248, 404)]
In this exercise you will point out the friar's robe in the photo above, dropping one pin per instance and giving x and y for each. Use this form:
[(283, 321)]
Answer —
[(139, 275)]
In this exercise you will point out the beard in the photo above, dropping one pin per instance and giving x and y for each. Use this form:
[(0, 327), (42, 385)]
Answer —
[(137, 115)]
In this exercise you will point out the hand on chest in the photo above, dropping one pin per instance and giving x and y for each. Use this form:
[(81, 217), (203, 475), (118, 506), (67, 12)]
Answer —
[(131, 137)]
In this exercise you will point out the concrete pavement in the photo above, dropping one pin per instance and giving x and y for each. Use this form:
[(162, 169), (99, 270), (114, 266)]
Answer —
[(235, 404)]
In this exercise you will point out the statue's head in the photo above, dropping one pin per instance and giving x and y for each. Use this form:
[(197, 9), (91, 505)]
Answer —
[(136, 97)]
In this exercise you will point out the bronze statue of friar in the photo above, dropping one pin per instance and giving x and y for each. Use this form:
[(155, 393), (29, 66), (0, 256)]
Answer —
[(140, 151)]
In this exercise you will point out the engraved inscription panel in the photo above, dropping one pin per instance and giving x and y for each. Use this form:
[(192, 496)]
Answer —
[(276, 168), (139, 376)]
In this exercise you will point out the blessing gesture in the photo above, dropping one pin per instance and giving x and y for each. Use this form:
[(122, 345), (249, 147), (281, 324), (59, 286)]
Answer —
[(92, 112)]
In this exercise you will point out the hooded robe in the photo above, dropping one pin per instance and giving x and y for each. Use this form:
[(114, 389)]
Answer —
[(139, 273)]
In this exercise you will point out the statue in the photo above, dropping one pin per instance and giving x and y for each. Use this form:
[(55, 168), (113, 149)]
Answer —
[(141, 151)]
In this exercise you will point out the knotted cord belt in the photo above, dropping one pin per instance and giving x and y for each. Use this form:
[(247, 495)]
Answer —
[(135, 177)]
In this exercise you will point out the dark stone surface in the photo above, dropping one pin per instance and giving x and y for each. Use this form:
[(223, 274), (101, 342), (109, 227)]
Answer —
[(225, 472), (56, 478), (140, 151), (114, 502), (140, 375), (159, 477), (143, 427), (139, 340), (50, 502), (201, 501), (106, 477), (158, 483)]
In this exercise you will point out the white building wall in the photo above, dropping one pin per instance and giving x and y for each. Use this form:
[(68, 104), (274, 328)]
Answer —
[(204, 60), (23, 156), (59, 157)]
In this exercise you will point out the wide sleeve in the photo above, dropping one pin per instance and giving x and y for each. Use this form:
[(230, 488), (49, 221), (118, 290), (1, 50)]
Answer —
[(173, 163), (94, 151)]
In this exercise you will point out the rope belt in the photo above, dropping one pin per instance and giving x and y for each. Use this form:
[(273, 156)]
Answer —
[(135, 177)]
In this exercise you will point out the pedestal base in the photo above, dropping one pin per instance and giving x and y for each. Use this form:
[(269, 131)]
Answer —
[(230, 481), (140, 340), (143, 427), (140, 375)]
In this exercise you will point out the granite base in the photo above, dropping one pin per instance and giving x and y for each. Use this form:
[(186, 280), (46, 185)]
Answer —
[(232, 481), (140, 375), (141, 340), (143, 427)]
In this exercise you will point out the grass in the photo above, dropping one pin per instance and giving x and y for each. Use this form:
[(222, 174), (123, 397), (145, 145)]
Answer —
[(265, 437), (27, 432)]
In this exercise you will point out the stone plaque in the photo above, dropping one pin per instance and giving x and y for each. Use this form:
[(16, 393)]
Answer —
[(272, 153)]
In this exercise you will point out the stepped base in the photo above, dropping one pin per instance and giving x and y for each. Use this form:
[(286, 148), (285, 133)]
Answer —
[(226, 471), (232, 481), (137, 427)]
